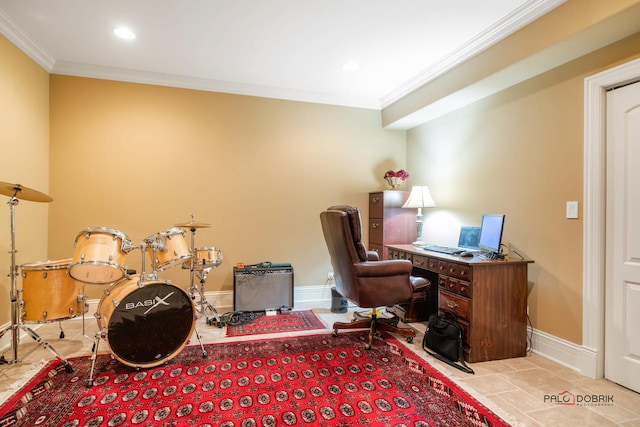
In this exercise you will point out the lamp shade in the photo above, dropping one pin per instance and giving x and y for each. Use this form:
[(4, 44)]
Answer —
[(420, 197)]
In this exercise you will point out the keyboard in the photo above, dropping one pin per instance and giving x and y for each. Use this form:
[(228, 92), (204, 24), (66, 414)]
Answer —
[(442, 249)]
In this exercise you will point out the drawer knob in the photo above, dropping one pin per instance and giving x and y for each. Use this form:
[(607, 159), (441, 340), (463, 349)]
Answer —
[(452, 304), (375, 199), (375, 225)]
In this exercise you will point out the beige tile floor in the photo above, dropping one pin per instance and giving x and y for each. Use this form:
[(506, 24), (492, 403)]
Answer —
[(516, 389)]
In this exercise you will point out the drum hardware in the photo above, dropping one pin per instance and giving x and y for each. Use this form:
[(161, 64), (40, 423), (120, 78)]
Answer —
[(82, 299), (16, 191), (201, 268)]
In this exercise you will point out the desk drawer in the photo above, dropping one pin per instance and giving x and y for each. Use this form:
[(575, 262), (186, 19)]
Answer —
[(376, 205), (454, 269), (454, 303), (375, 231), (464, 272), (421, 262), (396, 254), (442, 267), (449, 283), (464, 288)]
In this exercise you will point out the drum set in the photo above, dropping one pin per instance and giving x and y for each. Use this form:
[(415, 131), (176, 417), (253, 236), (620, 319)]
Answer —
[(145, 320)]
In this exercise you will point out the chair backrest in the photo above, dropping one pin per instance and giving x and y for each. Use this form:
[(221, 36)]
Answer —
[(342, 231)]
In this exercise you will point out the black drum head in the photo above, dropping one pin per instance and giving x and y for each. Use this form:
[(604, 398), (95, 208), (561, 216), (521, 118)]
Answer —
[(150, 324)]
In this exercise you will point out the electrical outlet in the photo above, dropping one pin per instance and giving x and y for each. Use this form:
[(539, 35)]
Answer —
[(330, 275)]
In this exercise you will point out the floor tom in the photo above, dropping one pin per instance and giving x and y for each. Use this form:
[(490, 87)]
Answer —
[(49, 294)]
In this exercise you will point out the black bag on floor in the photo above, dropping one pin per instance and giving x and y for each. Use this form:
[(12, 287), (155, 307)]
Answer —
[(443, 340)]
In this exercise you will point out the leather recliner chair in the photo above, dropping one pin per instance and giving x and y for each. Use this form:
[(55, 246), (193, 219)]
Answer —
[(363, 279)]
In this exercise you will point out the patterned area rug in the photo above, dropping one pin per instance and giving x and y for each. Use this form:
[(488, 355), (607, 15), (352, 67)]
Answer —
[(304, 320), (316, 380)]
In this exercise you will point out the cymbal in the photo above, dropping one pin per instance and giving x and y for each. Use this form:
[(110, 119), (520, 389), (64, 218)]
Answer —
[(24, 193), (193, 224)]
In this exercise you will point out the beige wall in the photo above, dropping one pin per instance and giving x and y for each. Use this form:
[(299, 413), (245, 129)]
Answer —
[(140, 158), (24, 157), (520, 152)]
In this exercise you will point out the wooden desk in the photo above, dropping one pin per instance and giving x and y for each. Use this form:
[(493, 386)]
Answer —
[(488, 296)]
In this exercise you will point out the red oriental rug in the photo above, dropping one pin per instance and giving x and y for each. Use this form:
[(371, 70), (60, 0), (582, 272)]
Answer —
[(294, 321), (316, 380)]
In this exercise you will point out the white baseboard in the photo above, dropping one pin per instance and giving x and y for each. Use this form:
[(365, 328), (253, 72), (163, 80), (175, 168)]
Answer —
[(549, 346), (561, 351)]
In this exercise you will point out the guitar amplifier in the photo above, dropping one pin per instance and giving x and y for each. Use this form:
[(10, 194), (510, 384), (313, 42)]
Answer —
[(259, 289)]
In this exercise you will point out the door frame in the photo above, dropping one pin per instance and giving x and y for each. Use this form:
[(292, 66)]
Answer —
[(594, 225)]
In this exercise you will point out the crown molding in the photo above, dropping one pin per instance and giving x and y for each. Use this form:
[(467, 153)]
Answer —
[(209, 85), (518, 19), (25, 43)]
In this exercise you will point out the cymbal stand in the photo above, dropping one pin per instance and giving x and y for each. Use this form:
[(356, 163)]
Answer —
[(203, 303), (16, 321)]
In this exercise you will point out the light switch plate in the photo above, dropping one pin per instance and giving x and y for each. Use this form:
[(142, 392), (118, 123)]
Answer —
[(572, 210)]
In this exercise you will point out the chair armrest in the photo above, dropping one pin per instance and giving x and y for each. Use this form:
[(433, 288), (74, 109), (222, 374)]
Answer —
[(373, 256), (392, 267)]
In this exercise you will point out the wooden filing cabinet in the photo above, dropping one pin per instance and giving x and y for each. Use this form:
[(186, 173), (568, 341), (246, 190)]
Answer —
[(389, 223), (488, 297)]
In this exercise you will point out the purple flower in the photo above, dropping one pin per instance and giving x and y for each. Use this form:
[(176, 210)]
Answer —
[(402, 174)]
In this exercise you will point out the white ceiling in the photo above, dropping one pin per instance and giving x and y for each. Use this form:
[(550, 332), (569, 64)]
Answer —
[(287, 49)]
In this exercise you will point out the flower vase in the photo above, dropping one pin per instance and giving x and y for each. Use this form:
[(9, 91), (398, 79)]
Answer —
[(394, 182)]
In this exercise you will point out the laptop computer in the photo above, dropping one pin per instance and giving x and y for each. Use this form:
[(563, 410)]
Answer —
[(467, 242), (469, 238)]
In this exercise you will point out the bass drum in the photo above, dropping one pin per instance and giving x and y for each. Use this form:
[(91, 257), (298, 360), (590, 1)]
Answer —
[(146, 323)]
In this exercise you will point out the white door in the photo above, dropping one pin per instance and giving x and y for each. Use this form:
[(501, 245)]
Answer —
[(622, 307)]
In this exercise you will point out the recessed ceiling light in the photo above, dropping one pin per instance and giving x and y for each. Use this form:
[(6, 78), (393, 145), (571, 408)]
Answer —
[(124, 33), (350, 66)]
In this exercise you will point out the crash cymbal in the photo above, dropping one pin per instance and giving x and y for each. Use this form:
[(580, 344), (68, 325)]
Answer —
[(193, 224), (23, 193)]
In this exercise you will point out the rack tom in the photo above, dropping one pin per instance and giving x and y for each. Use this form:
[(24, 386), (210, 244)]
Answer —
[(170, 248), (99, 256)]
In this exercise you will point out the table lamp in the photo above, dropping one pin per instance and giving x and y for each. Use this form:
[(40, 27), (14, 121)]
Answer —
[(420, 197)]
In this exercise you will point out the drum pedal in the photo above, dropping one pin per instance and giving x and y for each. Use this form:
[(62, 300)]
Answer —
[(214, 321)]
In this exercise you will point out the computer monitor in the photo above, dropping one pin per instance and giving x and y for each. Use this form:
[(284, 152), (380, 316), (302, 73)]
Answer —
[(491, 232)]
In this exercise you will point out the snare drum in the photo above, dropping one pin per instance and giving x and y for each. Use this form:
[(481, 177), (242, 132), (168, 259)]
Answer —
[(170, 246), (146, 323), (204, 258), (49, 293), (99, 256)]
